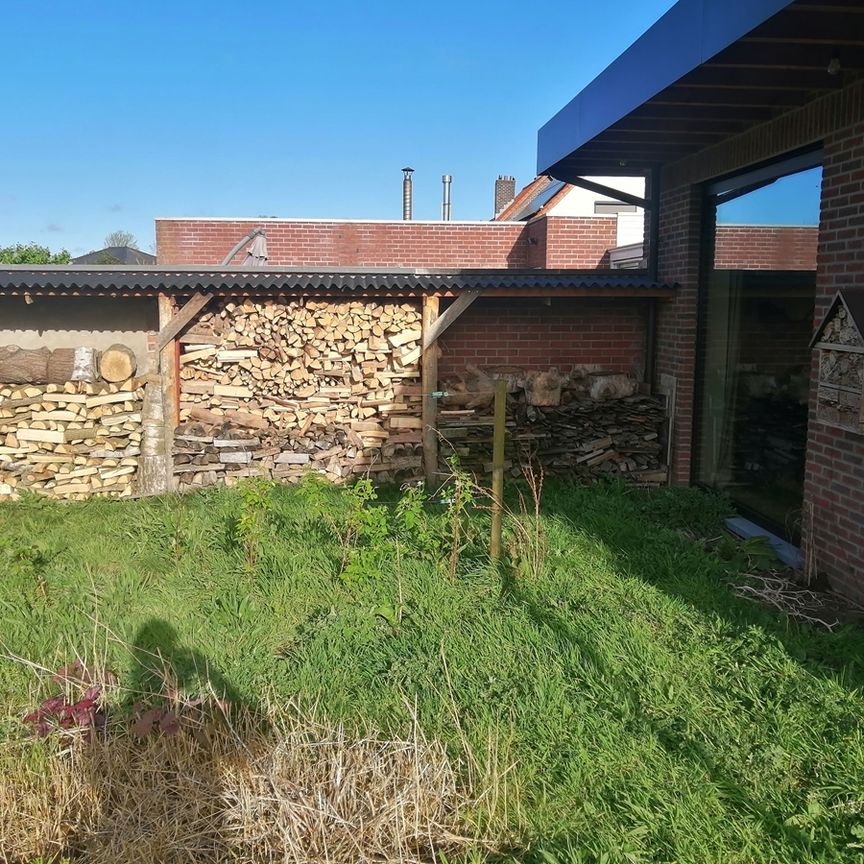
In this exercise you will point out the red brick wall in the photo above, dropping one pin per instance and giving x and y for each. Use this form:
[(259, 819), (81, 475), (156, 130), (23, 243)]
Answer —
[(834, 478), (581, 243), (765, 247), (530, 334), (833, 517), (347, 244)]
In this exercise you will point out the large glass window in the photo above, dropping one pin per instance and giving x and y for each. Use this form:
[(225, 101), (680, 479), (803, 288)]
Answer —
[(756, 321)]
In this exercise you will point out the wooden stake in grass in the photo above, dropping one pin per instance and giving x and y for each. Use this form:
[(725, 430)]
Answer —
[(498, 466)]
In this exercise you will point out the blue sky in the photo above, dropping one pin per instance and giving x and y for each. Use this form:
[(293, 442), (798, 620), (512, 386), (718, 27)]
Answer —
[(119, 112), (792, 200), (116, 113)]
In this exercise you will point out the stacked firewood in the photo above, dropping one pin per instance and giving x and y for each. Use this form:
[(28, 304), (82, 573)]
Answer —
[(331, 386), (70, 440), (577, 436)]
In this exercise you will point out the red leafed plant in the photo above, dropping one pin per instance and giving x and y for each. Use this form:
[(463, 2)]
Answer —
[(62, 713), (81, 707)]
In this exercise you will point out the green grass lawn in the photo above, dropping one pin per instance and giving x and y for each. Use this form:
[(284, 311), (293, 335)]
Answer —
[(644, 712)]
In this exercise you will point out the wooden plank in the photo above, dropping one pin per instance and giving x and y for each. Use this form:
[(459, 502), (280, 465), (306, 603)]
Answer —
[(429, 383), (449, 316), (111, 398), (168, 361), (172, 327)]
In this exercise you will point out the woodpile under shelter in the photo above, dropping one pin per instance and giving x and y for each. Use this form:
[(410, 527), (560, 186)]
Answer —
[(196, 376)]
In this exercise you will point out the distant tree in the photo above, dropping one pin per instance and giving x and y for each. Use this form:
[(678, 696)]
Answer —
[(121, 238), (32, 253)]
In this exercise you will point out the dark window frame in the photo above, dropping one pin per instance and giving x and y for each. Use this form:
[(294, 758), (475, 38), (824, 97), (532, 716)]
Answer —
[(714, 193)]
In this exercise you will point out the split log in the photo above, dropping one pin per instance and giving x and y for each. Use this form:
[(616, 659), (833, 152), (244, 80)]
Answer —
[(117, 363), (236, 418), (580, 437)]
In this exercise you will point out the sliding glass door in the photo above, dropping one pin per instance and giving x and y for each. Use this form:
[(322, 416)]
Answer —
[(756, 321)]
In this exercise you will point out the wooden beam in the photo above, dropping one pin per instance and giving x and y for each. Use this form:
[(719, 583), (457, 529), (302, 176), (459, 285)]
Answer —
[(169, 330), (429, 379), (602, 189), (451, 313), (168, 364)]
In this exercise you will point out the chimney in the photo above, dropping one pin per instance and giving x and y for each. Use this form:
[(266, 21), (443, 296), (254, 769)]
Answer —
[(407, 194), (505, 191), (446, 179)]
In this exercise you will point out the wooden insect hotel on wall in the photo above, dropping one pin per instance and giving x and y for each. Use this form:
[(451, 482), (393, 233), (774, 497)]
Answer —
[(840, 394)]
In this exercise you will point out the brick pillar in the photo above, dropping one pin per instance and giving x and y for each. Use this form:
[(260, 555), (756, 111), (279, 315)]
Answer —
[(833, 518), (679, 261)]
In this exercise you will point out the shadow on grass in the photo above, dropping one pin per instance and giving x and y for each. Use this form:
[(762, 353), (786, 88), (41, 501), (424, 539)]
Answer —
[(644, 542), (164, 667), (673, 737), (195, 779)]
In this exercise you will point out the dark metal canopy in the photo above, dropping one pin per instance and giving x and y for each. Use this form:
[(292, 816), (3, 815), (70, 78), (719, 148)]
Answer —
[(707, 70), (149, 281)]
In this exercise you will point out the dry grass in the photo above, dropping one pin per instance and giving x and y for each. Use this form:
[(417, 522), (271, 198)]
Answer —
[(229, 789)]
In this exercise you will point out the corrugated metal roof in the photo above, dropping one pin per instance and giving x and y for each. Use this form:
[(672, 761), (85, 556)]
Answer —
[(138, 281)]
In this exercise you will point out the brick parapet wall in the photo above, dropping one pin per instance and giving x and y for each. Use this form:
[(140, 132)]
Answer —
[(347, 244), (765, 247), (548, 241), (529, 334), (544, 242), (580, 241)]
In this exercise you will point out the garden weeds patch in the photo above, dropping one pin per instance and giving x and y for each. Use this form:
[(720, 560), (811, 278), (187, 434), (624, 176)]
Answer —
[(631, 707)]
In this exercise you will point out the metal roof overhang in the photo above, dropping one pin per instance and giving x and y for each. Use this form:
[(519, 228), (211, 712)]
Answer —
[(113, 281), (705, 71)]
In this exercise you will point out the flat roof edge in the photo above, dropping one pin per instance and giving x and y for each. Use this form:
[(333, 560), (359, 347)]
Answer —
[(265, 220), (687, 35)]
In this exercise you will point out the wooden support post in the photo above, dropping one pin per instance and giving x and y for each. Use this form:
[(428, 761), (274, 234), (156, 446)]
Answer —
[(498, 466), (168, 365), (429, 379)]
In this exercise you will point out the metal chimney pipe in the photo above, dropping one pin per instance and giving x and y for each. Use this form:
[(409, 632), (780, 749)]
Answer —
[(407, 194), (446, 179)]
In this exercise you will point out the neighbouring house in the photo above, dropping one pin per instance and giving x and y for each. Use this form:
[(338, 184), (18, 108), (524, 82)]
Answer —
[(719, 101), (116, 255), (556, 200)]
